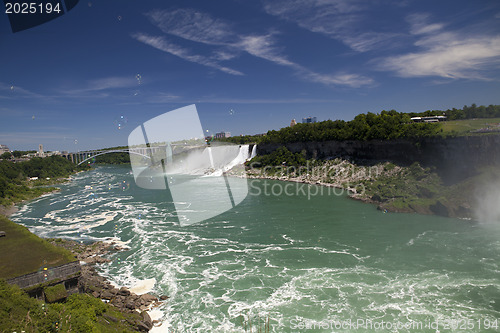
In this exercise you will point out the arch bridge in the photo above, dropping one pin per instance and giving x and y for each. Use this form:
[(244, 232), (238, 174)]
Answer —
[(83, 156)]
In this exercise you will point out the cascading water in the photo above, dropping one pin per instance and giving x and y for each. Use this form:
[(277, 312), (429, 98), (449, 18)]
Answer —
[(254, 152), (241, 158), (211, 160)]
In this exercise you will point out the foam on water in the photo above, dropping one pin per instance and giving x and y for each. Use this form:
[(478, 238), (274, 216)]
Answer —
[(143, 286), (243, 268)]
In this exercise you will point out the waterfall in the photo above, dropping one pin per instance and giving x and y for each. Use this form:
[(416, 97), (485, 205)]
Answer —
[(254, 152), (212, 160), (241, 158)]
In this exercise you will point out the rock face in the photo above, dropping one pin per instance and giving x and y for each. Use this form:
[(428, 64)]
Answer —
[(92, 283), (455, 158)]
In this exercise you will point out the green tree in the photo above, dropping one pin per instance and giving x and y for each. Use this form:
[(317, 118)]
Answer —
[(5, 156), (18, 153)]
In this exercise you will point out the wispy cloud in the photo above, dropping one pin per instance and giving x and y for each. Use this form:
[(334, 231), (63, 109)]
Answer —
[(111, 83), (163, 97), (263, 47), (344, 79), (419, 24), (193, 25), (446, 54), (337, 19), (202, 28), (160, 43), (11, 91), (99, 88)]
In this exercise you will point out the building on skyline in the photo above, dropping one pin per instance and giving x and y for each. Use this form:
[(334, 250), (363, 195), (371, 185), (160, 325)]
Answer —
[(4, 149), (222, 135), (40, 150), (308, 120), (293, 123), (431, 119)]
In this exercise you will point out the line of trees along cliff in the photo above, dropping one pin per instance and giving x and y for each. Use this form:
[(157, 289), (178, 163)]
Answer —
[(387, 125), (14, 186)]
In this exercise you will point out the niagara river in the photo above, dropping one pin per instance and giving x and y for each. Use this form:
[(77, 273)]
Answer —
[(288, 261)]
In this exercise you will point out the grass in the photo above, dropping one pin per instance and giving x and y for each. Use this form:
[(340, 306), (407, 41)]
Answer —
[(79, 313), (466, 126), (55, 293), (22, 252), (19, 193)]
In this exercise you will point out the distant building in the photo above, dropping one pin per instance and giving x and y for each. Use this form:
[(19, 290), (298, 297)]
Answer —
[(4, 149), (432, 119), (293, 123), (222, 135), (308, 120), (40, 150), (52, 153)]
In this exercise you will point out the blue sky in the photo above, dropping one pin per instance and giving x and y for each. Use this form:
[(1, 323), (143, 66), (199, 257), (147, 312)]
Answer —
[(66, 84)]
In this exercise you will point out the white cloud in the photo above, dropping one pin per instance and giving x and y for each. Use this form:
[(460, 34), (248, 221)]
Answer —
[(202, 28), (344, 79), (110, 83), (445, 54), (263, 47), (99, 88), (367, 41), (223, 55), (162, 44), (419, 24), (193, 25), (337, 19)]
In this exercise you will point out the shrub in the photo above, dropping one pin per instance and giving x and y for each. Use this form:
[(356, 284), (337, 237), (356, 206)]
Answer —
[(55, 293)]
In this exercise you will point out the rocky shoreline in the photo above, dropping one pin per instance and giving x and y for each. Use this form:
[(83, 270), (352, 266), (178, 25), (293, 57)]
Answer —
[(338, 173), (92, 283), (351, 192), (422, 196)]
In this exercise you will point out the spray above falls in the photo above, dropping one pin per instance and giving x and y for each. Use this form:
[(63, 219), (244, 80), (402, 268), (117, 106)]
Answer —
[(169, 152)]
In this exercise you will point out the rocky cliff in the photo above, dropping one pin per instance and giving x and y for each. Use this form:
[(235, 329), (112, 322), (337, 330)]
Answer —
[(454, 158)]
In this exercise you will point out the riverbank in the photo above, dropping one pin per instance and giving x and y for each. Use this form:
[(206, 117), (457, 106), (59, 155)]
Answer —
[(12, 208), (92, 283), (22, 252), (123, 311), (8, 210)]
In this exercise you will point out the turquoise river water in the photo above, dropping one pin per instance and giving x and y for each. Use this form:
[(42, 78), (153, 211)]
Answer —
[(293, 263)]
